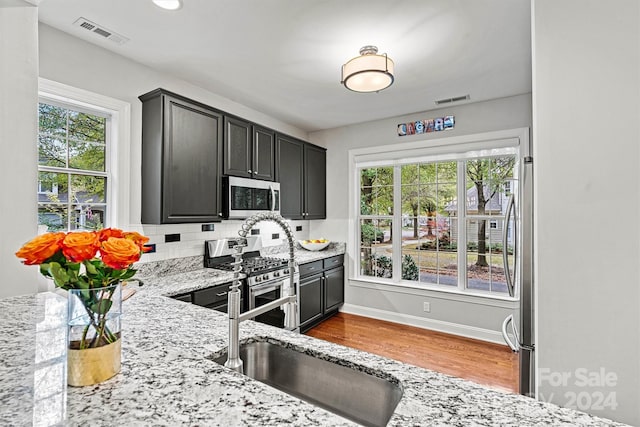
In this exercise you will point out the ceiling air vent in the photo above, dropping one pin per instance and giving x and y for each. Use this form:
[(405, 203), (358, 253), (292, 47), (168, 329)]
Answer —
[(450, 100), (100, 30)]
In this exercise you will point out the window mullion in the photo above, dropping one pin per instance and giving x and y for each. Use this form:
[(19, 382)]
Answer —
[(72, 171), (68, 201), (397, 224), (462, 225)]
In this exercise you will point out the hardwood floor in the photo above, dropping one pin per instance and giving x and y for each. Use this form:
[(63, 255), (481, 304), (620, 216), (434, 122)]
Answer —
[(485, 363)]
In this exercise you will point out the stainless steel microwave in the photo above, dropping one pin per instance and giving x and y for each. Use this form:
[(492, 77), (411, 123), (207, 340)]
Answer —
[(244, 197)]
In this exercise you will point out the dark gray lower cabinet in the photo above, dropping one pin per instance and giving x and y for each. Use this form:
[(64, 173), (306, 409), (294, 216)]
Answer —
[(321, 290), (333, 289), (214, 297), (310, 299)]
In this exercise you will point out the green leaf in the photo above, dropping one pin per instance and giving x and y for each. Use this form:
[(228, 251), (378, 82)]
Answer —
[(44, 270), (83, 283), (102, 307), (128, 274), (59, 274), (91, 268)]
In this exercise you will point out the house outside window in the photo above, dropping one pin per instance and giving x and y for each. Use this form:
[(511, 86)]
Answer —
[(73, 166), (412, 230)]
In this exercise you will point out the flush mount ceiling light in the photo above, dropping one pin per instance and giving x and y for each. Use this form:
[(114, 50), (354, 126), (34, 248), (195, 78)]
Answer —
[(168, 4), (368, 72)]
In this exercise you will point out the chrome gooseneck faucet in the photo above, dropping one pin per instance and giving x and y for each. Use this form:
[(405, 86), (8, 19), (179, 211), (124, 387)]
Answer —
[(288, 294)]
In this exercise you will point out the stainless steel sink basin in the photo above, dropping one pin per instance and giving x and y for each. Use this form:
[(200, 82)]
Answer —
[(353, 394)]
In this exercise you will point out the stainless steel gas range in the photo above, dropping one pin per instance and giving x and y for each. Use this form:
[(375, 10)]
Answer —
[(266, 276)]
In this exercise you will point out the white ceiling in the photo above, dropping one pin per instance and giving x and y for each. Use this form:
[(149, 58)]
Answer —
[(283, 57)]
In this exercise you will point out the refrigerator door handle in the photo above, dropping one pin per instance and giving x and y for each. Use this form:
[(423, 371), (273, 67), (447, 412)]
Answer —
[(505, 251), (515, 347)]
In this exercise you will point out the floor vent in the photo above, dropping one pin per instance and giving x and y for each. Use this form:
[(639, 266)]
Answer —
[(100, 30), (450, 100)]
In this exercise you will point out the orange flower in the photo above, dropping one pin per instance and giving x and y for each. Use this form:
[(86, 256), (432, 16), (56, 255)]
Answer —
[(41, 248), (138, 239), (80, 246), (105, 233), (119, 253)]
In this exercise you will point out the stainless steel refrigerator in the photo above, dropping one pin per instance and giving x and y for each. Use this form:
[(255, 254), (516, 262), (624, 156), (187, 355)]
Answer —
[(518, 328)]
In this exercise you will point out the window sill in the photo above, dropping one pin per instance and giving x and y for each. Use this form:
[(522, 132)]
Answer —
[(435, 291)]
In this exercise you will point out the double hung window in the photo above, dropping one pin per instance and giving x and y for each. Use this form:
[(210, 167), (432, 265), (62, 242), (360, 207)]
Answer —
[(73, 166)]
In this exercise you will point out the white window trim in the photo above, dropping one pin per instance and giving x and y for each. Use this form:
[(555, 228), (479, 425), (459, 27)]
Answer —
[(414, 152), (118, 153)]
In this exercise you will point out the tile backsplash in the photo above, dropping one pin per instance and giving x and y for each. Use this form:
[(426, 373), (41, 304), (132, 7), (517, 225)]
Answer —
[(192, 237)]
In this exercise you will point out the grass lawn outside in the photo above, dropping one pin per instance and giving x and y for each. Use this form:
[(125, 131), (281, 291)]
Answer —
[(445, 262)]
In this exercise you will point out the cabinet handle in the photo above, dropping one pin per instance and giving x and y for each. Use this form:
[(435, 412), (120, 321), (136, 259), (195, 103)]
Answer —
[(255, 172), (249, 171), (221, 294), (219, 213)]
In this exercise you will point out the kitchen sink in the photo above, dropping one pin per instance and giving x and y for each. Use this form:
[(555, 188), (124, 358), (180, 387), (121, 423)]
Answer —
[(350, 393)]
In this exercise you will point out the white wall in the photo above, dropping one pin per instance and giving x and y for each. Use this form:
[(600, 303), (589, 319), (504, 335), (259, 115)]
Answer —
[(18, 133), (586, 87), (473, 317), (74, 62)]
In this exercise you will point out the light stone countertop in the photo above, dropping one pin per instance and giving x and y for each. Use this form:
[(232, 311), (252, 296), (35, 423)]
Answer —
[(303, 256), (168, 378), (182, 275)]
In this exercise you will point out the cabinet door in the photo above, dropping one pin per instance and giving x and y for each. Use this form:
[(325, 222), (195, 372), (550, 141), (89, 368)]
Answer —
[(289, 173), (263, 154), (310, 300), (315, 192), (190, 179), (333, 289), (237, 147)]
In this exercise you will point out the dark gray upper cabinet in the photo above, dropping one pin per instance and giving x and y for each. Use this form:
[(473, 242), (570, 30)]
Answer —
[(301, 172), (289, 173), (237, 147), (248, 150), (315, 181), (181, 159)]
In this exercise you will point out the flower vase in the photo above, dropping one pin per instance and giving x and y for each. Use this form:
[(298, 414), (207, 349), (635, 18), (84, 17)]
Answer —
[(94, 335)]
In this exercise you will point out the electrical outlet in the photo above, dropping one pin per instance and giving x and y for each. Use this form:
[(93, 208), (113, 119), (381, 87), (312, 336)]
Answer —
[(427, 307), (255, 231), (298, 228), (275, 235), (208, 227), (168, 238), (150, 248)]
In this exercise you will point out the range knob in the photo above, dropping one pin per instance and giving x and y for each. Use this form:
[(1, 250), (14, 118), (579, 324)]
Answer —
[(258, 279), (286, 271), (265, 277), (276, 274)]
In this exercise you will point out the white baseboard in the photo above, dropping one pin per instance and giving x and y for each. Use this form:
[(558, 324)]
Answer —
[(431, 324)]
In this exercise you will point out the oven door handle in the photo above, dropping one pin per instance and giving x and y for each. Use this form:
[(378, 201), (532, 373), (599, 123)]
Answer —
[(258, 290)]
